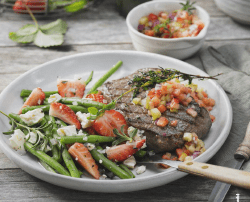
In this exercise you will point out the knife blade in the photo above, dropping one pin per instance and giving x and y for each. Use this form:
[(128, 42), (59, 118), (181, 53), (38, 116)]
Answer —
[(228, 175), (241, 155)]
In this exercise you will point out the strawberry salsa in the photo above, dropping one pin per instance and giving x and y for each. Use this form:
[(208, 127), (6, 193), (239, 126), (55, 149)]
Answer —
[(73, 132), (176, 24)]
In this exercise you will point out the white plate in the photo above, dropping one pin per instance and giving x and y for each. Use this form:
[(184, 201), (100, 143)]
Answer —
[(45, 76)]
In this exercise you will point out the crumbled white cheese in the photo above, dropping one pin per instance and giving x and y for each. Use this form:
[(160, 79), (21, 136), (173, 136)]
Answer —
[(17, 141), (75, 103), (31, 137), (151, 153), (140, 170), (32, 117), (83, 118), (102, 151), (130, 162), (103, 177), (81, 133), (90, 146), (54, 98), (100, 161), (67, 131), (53, 141)]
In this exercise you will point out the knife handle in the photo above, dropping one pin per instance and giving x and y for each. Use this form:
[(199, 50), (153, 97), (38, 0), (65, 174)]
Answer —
[(228, 175), (244, 148)]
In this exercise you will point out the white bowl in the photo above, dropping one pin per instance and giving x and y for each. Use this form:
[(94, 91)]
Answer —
[(239, 10), (180, 48)]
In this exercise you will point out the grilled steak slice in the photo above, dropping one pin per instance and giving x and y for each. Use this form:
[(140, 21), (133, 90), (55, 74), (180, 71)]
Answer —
[(158, 139)]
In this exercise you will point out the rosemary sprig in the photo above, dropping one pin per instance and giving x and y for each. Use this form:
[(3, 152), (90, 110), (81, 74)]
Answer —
[(188, 7)]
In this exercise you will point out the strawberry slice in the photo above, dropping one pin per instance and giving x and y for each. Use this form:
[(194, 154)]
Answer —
[(71, 88), (36, 97), (82, 155), (122, 152), (111, 119), (64, 113), (97, 98)]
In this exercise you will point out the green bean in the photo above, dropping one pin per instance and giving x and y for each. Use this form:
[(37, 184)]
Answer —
[(82, 102), (105, 77), (47, 167), (46, 158), (56, 154), (45, 108), (83, 139), (26, 93), (76, 108), (45, 102), (16, 117), (70, 164), (111, 166), (124, 167), (89, 78)]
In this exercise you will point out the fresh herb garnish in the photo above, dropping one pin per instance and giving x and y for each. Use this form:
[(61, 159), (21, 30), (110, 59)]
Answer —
[(42, 140), (44, 36), (148, 79), (123, 137), (188, 7)]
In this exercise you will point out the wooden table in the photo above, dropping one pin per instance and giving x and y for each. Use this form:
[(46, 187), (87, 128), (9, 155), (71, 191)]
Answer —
[(94, 30)]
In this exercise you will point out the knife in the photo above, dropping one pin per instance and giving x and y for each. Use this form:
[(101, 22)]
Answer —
[(228, 175), (241, 155)]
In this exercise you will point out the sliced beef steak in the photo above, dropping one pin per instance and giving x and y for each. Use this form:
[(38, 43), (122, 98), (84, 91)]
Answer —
[(158, 139)]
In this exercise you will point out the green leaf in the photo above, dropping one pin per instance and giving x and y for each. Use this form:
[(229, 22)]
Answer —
[(27, 30), (45, 40), (57, 27), (26, 34), (76, 6), (93, 110)]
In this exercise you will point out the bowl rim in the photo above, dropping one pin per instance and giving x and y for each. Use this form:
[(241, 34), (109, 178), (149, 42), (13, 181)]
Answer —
[(200, 36)]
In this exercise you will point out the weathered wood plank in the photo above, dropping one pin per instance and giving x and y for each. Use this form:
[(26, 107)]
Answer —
[(90, 31), (17, 185), (14, 61)]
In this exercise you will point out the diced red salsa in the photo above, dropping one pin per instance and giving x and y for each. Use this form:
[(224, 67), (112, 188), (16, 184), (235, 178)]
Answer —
[(176, 24)]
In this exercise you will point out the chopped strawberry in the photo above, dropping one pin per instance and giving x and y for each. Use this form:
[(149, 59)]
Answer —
[(71, 88), (97, 98), (36, 97), (64, 113), (111, 119), (82, 155), (122, 152)]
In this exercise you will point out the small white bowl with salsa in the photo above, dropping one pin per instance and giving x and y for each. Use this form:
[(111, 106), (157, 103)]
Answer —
[(173, 28)]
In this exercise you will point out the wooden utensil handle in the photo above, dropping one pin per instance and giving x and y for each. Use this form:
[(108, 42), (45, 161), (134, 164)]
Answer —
[(244, 148), (228, 175)]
